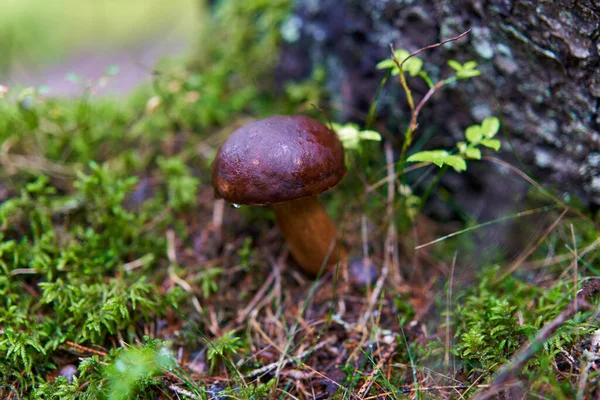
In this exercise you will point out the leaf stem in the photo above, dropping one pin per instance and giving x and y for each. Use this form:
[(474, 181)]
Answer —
[(414, 111), (412, 126), (403, 82)]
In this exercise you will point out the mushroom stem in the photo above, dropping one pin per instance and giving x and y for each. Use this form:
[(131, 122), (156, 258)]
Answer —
[(310, 233)]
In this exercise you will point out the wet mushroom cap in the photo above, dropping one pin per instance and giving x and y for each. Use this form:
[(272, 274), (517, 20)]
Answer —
[(278, 159)]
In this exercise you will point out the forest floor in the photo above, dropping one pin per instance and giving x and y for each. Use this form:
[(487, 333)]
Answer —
[(123, 277)]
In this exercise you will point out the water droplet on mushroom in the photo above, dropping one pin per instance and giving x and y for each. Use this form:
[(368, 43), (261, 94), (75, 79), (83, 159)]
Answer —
[(234, 205)]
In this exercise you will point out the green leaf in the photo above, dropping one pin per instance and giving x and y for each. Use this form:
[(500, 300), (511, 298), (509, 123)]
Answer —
[(455, 65), (469, 65), (222, 348), (474, 153), (491, 143), (387, 63), (432, 156), (351, 143), (468, 73), (462, 147), (456, 162), (370, 135), (134, 365), (350, 135), (413, 66), (474, 134), (347, 131), (401, 55), (490, 127), (439, 158)]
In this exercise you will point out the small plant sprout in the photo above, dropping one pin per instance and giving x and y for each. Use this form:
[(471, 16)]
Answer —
[(208, 281), (466, 70), (412, 65), (351, 136), (245, 254), (475, 135), (223, 348), (402, 61), (480, 135)]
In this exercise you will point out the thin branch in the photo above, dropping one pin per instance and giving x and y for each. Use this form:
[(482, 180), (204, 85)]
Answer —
[(433, 46), (172, 256), (182, 391), (256, 299), (85, 349), (401, 65), (392, 236), (403, 82), (385, 357), (270, 367), (413, 119), (424, 389)]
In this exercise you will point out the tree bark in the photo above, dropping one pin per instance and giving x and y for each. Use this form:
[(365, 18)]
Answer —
[(540, 64)]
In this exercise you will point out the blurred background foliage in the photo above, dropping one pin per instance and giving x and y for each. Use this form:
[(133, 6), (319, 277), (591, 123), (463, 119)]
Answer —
[(37, 33)]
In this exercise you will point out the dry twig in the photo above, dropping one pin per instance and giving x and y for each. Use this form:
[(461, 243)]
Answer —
[(385, 357), (280, 363), (256, 299), (171, 254), (84, 349)]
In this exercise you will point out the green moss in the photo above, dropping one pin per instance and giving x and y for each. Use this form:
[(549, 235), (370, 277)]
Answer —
[(495, 318), (488, 331), (79, 287), (92, 186)]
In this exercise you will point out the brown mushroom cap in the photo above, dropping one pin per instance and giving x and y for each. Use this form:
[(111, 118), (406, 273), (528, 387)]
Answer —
[(278, 159)]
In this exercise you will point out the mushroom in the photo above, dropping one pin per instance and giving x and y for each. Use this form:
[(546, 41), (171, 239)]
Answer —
[(286, 162)]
